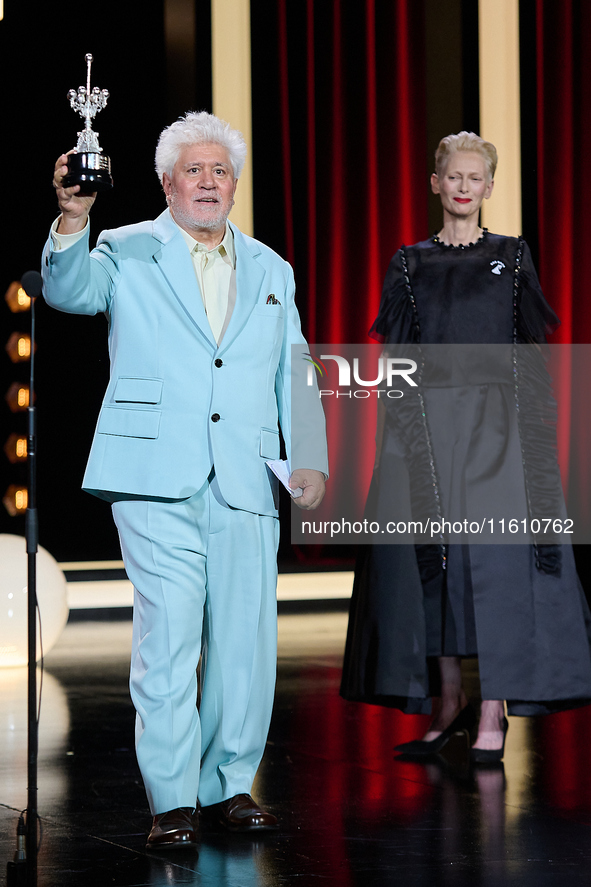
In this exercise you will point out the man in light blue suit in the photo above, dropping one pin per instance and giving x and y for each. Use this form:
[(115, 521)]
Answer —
[(204, 340)]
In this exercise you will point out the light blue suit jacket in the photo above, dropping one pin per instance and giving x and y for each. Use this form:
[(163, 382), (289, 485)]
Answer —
[(158, 433)]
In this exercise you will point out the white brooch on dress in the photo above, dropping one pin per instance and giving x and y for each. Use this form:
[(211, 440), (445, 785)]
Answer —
[(497, 267)]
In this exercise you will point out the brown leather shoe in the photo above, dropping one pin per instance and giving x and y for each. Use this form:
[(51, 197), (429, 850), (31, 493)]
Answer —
[(239, 814), (173, 829)]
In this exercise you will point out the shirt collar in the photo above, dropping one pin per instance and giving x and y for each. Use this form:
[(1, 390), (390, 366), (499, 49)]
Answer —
[(225, 248)]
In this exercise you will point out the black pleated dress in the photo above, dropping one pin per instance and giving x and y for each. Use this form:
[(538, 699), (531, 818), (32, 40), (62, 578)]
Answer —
[(519, 608)]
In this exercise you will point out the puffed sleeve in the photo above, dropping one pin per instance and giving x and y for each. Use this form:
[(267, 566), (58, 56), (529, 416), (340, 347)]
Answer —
[(394, 323), (535, 319)]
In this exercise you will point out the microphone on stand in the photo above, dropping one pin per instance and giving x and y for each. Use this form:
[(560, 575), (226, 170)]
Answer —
[(32, 283)]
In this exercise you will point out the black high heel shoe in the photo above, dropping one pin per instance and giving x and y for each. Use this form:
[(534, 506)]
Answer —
[(490, 755), (420, 748)]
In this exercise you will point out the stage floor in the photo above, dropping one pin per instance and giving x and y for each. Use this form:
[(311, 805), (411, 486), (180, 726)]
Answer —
[(350, 813)]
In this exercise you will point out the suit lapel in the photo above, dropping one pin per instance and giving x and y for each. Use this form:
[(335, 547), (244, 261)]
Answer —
[(174, 262), (249, 278)]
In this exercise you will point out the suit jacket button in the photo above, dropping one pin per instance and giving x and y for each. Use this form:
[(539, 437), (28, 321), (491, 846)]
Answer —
[(216, 417), (218, 362)]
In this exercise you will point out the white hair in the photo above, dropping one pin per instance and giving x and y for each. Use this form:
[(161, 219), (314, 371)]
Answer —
[(198, 128)]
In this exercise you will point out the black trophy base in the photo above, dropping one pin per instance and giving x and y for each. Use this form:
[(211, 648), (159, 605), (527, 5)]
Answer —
[(90, 170)]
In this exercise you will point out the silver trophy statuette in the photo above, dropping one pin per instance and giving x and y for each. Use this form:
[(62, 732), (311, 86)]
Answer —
[(89, 167)]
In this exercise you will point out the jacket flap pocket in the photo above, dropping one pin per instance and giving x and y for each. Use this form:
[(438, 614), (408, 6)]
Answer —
[(269, 444), (134, 390), (272, 311), (129, 423)]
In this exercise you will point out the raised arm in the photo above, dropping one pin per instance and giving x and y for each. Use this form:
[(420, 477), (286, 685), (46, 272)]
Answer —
[(73, 281)]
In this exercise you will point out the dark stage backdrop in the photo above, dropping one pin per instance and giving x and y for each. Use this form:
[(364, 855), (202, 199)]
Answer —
[(41, 57)]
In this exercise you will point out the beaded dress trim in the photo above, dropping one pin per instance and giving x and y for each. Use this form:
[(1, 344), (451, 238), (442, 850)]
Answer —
[(425, 552), (443, 245)]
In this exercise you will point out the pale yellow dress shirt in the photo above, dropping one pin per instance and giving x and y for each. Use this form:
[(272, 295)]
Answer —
[(215, 270)]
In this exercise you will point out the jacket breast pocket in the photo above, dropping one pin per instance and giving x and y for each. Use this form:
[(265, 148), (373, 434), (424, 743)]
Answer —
[(268, 319), (269, 311), (267, 323), (130, 389), (269, 446), (129, 423)]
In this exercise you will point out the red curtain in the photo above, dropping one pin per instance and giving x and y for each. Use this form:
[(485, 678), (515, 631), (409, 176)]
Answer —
[(343, 91), (354, 180), (563, 107), (563, 49), (339, 124)]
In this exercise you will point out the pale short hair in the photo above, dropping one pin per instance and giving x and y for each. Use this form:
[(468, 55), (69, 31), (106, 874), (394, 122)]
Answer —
[(465, 141), (198, 128)]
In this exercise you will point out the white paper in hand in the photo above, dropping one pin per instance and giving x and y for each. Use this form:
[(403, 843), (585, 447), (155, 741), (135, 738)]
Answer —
[(281, 469)]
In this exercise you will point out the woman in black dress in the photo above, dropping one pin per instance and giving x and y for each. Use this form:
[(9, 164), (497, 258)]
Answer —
[(418, 609)]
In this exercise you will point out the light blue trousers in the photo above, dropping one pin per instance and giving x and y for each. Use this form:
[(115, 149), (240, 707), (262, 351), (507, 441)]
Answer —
[(205, 578)]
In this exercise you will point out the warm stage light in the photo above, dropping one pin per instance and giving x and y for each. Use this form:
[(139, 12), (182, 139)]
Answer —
[(18, 347), (15, 500), (16, 448), (17, 397), (16, 298)]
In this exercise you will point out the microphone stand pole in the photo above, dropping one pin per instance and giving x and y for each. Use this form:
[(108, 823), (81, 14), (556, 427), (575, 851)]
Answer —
[(32, 541), (22, 872)]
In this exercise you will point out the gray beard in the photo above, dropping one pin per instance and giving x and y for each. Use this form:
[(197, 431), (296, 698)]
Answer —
[(210, 223)]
